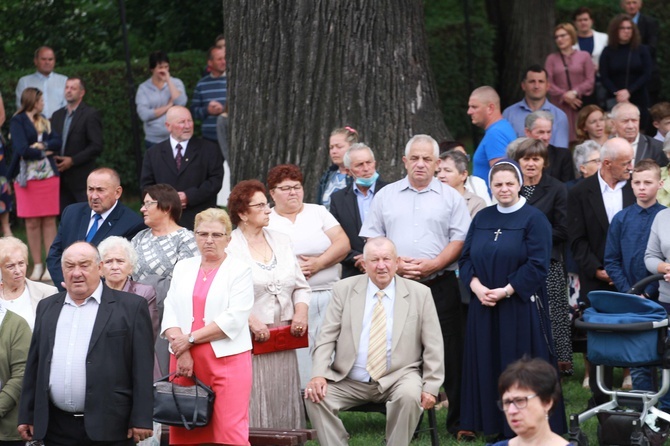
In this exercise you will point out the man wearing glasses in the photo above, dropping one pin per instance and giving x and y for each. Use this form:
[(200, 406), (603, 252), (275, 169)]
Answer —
[(102, 216), (193, 166)]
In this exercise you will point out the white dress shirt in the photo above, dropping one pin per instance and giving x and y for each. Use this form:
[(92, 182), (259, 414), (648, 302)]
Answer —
[(612, 198), (67, 380), (359, 371)]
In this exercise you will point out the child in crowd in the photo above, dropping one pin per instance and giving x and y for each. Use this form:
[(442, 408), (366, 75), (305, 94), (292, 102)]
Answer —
[(626, 243), (660, 116)]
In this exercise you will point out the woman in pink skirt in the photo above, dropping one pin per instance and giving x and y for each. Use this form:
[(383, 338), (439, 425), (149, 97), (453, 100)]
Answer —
[(205, 321), (36, 176)]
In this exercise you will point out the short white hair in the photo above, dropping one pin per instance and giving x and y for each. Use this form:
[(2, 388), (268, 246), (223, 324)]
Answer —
[(423, 138), (119, 242), (355, 148)]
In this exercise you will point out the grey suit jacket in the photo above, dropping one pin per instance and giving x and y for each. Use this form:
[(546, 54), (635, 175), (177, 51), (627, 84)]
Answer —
[(417, 340), (648, 147)]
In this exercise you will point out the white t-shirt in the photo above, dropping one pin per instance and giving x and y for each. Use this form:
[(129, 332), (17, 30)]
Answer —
[(308, 236), (23, 307)]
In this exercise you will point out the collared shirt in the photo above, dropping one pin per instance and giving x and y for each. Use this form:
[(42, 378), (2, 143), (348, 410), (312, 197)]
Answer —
[(636, 17), (420, 223), (67, 379), (66, 127), (149, 97), (626, 244), (104, 216), (358, 371), (51, 86), (516, 115), (364, 201), (635, 144), (174, 142), (612, 198)]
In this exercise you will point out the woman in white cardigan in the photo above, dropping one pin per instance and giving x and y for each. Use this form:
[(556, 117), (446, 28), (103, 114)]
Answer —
[(205, 321), (282, 297), (21, 295)]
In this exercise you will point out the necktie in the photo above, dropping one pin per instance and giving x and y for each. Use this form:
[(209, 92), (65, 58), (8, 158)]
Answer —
[(376, 365), (179, 157), (94, 228)]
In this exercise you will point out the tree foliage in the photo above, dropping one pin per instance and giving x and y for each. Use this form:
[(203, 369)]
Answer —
[(89, 31)]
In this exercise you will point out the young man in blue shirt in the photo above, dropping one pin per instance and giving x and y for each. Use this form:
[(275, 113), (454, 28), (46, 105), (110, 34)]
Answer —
[(626, 243)]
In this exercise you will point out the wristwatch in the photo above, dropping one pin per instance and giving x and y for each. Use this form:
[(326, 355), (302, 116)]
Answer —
[(191, 339), (507, 294)]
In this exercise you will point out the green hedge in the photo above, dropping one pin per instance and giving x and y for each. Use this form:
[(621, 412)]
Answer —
[(107, 90)]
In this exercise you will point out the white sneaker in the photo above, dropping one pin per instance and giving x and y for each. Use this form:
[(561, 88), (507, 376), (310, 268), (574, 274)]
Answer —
[(46, 277), (38, 270), (627, 383), (585, 383)]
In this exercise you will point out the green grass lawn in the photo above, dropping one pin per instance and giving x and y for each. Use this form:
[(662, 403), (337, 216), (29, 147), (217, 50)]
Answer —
[(367, 429)]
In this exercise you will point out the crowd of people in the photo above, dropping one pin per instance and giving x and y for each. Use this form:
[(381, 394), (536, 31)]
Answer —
[(445, 279)]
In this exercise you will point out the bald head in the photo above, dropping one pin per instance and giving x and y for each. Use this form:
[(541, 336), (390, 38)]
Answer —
[(179, 123), (487, 95), (616, 161), (484, 107)]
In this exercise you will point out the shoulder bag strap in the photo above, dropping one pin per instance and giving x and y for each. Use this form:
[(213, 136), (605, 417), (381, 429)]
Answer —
[(567, 73)]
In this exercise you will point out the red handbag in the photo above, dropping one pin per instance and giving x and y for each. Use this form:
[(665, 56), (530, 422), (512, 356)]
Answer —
[(280, 339)]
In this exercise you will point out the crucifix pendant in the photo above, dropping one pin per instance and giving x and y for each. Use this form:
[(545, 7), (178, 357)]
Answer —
[(497, 233)]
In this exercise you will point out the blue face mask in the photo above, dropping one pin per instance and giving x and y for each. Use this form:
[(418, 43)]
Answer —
[(367, 182)]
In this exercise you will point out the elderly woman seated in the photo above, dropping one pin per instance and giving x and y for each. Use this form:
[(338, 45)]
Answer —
[(119, 260), (19, 294)]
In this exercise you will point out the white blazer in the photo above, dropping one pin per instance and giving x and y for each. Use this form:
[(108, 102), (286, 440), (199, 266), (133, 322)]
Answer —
[(599, 44), (228, 304)]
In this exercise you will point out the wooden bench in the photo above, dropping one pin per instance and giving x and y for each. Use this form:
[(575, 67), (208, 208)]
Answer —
[(278, 437), (259, 436)]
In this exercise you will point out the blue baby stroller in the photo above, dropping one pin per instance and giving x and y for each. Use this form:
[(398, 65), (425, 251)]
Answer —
[(624, 330)]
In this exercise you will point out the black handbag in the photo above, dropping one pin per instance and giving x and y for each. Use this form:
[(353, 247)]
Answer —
[(187, 406)]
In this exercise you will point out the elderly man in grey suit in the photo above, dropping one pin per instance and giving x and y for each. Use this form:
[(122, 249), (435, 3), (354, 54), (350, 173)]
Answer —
[(380, 342)]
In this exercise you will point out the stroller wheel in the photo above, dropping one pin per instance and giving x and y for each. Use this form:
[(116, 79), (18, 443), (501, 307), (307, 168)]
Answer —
[(578, 438)]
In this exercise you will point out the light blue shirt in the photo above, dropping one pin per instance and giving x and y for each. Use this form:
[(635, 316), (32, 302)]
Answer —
[(148, 98), (420, 223), (51, 86), (359, 371), (364, 201), (516, 115), (67, 379)]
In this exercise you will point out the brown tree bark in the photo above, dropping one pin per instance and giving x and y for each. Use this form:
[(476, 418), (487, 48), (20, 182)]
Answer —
[(525, 37), (298, 69)]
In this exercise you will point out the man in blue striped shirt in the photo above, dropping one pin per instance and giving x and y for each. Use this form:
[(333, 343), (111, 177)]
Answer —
[(209, 97)]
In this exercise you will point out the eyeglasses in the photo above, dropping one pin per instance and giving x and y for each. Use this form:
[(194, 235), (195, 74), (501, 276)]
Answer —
[(597, 160), (259, 206), (560, 36), (148, 204), (520, 402), (625, 28), (205, 235), (296, 188)]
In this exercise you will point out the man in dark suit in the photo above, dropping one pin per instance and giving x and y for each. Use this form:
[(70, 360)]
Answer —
[(351, 204), (94, 221), (81, 129), (193, 166), (592, 203), (626, 120), (538, 125), (380, 341), (88, 378)]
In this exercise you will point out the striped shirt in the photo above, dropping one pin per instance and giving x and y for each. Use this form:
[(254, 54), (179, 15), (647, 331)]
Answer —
[(209, 89)]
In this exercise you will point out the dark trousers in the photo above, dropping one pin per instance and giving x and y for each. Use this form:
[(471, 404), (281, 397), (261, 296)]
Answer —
[(68, 196), (66, 429), (447, 299), (12, 443)]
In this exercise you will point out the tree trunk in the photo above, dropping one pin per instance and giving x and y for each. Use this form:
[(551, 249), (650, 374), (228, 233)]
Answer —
[(298, 69), (525, 37)]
